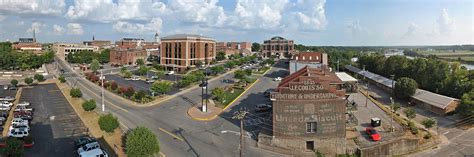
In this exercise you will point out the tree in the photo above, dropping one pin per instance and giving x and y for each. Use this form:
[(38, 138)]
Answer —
[(405, 87), (248, 72), (127, 74), (142, 70), (28, 81), (140, 62), (217, 69), (95, 65), (410, 113), (141, 142), (39, 77), (13, 147), (104, 56), (466, 108), (14, 82), (108, 123), (89, 105), (75, 93), (428, 123), (62, 79), (220, 56), (130, 91), (219, 94), (239, 74), (161, 87), (255, 47), (140, 95), (113, 85), (396, 106), (230, 64)]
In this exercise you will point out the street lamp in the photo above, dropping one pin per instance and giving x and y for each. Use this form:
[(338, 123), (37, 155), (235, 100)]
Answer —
[(204, 85), (102, 78), (393, 102)]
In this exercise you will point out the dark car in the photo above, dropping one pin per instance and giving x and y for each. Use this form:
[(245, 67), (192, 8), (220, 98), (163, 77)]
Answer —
[(268, 92), (13, 88), (22, 113), (4, 114), (228, 81), (263, 108), (374, 135), (83, 141), (24, 117)]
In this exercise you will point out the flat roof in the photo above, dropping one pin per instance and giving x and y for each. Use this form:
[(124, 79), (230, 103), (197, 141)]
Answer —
[(375, 77), (345, 77), (186, 36)]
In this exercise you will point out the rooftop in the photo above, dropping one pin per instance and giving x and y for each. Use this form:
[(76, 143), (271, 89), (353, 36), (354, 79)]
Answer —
[(375, 77), (434, 99), (186, 36), (345, 77)]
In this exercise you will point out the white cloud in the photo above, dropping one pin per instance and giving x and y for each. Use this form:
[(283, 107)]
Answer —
[(37, 27), (413, 28), (446, 24), (311, 15), (74, 29), (258, 14), (137, 28), (2, 18), (58, 30), (107, 11), (354, 28), (198, 11), (44, 7)]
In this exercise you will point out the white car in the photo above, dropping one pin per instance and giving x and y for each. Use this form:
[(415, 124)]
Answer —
[(88, 147), (277, 79), (6, 104), (135, 78), (26, 127), (19, 122), (18, 132), (23, 108), (170, 73), (5, 87), (4, 108), (7, 98), (94, 153), (24, 103)]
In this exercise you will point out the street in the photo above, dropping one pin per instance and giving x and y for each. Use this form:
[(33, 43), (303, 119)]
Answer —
[(195, 138)]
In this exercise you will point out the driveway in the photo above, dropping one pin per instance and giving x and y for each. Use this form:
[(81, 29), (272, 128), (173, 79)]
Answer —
[(55, 125)]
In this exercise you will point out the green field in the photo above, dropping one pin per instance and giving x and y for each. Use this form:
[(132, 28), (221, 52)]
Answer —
[(447, 53), (463, 58)]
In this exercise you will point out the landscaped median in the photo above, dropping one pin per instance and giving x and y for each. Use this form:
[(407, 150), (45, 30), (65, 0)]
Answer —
[(91, 119)]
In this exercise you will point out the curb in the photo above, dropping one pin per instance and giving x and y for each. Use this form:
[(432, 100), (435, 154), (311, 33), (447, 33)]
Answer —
[(225, 108)]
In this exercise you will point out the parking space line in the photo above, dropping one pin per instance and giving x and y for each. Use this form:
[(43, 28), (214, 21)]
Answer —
[(171, 134), (105, 99)]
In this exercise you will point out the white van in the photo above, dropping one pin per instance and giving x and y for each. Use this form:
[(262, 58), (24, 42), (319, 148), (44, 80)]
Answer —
[(88, 147), (94, 153)]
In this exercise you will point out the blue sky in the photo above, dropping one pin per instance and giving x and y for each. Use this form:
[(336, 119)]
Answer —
[(309, 22)]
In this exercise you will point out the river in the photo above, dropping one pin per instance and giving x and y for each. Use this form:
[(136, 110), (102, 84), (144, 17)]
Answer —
[(468, 66)]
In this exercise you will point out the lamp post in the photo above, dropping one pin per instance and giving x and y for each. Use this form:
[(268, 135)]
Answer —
[(367, 90), (102, 78), (393, 102), (204, 85)]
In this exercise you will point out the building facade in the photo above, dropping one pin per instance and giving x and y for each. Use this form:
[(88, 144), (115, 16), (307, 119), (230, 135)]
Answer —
[(309, 109), (230, 48), (127, 56), (63, 50), (278, 46), (311, 59), (181, 51)]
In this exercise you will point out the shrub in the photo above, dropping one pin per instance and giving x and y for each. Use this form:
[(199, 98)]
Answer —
[(89, 105), (427, 136), (184, 83), (248, 72), (428, 123), (412, 127), (410, 113), (75, 93), (122, 90), (140, 95), (39, 77), (28, 80), (62, 79), (161, 87), (14, 82), (113, 85), (239, 74), (141, 142), (108, 123), (14, 147), (129, 92)]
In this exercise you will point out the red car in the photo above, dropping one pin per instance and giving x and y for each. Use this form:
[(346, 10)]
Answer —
[(374, 135)]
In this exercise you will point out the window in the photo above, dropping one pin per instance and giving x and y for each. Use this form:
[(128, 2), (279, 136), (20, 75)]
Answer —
[(311, 127), (310, 145)]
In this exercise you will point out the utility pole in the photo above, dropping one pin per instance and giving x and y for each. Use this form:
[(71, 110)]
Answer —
[(240, 116), (337, 65), (102, 78), (367, 96), (393, 102)]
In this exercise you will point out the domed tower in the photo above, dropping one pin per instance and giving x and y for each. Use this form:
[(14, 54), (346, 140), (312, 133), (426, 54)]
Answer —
[(157, 38)]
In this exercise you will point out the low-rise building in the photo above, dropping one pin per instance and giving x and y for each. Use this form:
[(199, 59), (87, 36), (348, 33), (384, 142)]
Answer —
[(311, 59), (27, 44), (63, 49), (102, 44), (230, 48), (278, 46), (127, 56), (309, 109), (433, 102), (181, 51)]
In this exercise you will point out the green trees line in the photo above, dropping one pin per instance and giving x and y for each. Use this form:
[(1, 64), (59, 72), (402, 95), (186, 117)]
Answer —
[(88, 56), (12, 60)]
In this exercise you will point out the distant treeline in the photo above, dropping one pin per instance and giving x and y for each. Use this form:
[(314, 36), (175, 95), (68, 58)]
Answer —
[(11, 59)]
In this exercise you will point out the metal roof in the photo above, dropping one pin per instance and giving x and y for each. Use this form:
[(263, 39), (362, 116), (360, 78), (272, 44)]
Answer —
[(434, 99), (345, 77), (377, 78), (186, 36)]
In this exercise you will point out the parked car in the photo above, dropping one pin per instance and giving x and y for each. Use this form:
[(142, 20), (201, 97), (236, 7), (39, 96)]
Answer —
[(6, 104), (24, 103), (4, 108), (135, 78), (18, 132), (94, 153), (19, 121), (29, 113), (170, 73), (268, 92), (374, 135), (3, 119), (23, 108), (13, 88), (3, 114), (24, 117), (80, 142), (7, 98), (5, 87), (228, 81), (277, 79), (26, 127), (263, 108), (88, 147), (150, 81)]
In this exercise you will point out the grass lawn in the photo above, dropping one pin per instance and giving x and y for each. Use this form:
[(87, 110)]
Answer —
[(447, 53), (262, 70), (462, 58), (229, 97)]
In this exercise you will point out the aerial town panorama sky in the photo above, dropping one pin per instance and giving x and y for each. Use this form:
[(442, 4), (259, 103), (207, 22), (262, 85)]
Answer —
[(310, 22)]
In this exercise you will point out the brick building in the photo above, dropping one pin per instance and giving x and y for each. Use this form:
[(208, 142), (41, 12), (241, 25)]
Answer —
[(230, 48), (311, 59), (127, 56), (181, 51), (278, 46), (309, 109), (28, 44), (63, 49)]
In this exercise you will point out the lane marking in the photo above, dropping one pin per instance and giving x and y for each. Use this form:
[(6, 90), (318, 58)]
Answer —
[(171, 134), (104, 99)]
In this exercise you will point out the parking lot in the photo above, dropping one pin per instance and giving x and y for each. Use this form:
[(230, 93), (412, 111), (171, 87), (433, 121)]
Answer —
[(137, 84), (8, 92), (55, 125)]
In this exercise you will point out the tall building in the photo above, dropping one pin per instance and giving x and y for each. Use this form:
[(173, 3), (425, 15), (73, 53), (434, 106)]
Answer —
[(309, 109), (230, 48), (278, 46), (181, 51)]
